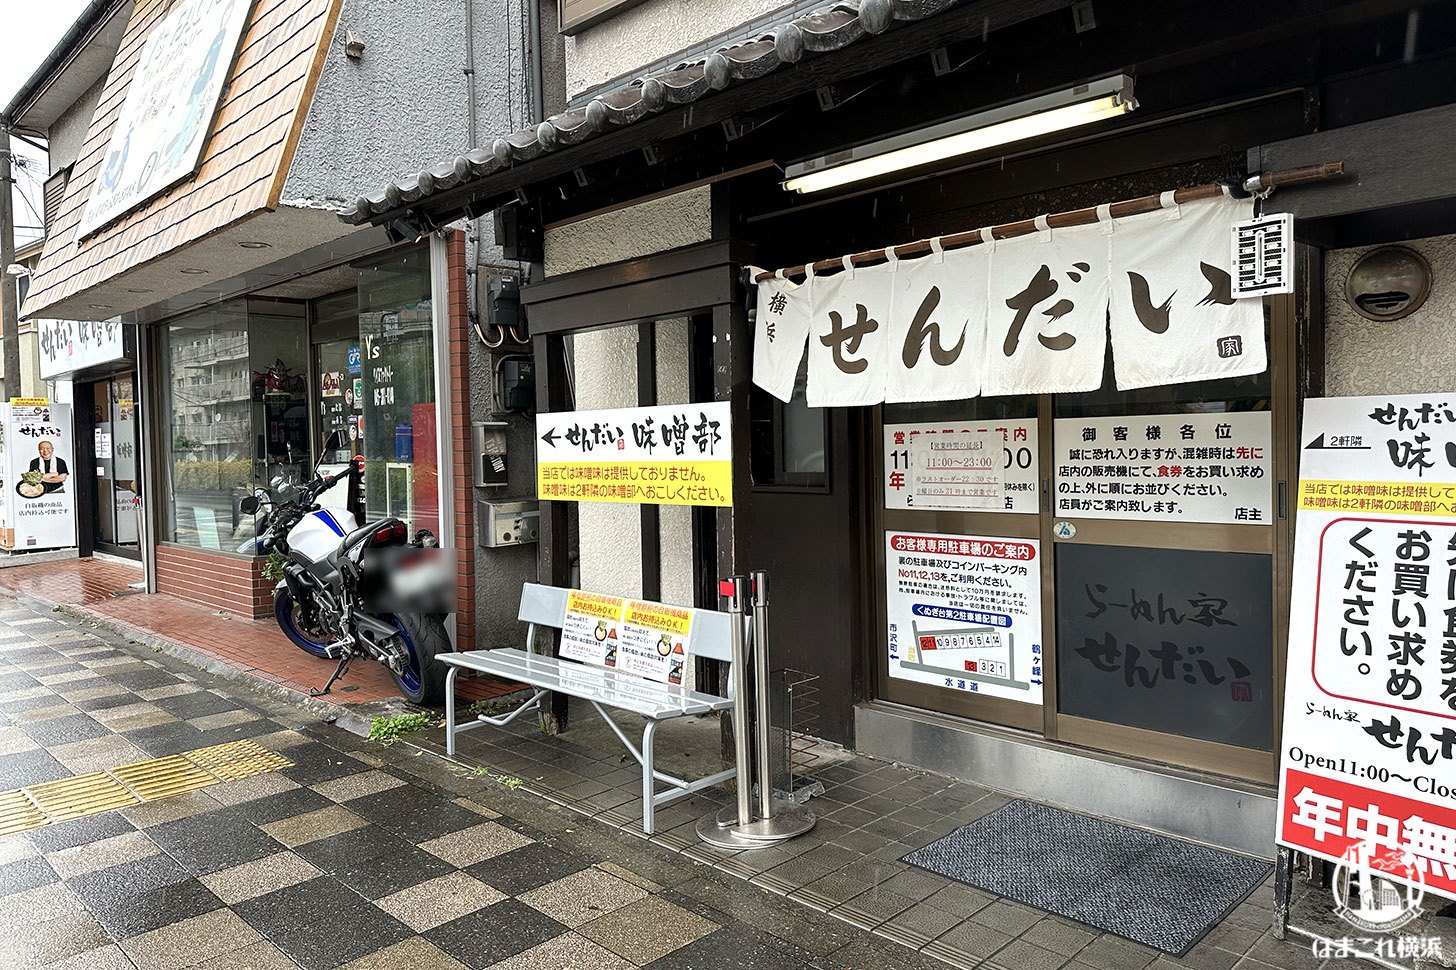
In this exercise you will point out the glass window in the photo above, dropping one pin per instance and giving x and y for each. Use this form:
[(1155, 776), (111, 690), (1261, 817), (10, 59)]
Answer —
[(397, 421), (788, 442), (210, 426)]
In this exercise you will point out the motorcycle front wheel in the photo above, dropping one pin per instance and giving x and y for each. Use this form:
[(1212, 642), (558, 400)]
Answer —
[(422, 681), (288, 615)]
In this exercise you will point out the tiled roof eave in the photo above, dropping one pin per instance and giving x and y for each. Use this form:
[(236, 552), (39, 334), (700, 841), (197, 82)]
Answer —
[(832, 28)]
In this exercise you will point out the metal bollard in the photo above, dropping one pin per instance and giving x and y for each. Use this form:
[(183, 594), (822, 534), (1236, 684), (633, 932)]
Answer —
[(761, 693), (740, 698), (778, 819)]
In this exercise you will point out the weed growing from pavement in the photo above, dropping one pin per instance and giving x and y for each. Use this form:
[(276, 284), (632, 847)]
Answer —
[(387, 730)]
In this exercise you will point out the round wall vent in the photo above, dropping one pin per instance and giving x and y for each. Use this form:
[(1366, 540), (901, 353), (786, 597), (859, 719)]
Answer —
[(1388, 283)]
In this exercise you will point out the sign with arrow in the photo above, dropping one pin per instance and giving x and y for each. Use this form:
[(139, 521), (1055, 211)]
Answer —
[(670, 454)]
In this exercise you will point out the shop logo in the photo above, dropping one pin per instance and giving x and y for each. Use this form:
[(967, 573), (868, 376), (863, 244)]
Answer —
[(1367, 895), (1231, 346)]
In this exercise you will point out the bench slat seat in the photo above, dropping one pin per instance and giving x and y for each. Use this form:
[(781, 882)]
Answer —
[(612, 688), (544, 607)]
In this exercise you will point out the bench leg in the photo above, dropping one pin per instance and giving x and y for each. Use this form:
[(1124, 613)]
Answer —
[(450, 711), (648, 797)]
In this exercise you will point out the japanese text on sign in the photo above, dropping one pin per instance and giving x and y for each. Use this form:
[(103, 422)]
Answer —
[(1012, 446), (1370, 708), (651, 640), (664, 455), (1170, 467), (964, 613)]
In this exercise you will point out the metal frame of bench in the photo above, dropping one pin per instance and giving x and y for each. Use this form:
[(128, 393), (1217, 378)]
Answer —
[(545, 606)]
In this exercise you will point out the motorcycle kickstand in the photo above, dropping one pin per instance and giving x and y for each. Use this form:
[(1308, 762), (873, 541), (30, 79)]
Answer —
[(338, 672)]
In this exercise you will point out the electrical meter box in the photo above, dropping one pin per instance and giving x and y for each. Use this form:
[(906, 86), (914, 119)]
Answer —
[(509, 523), (489, 445)]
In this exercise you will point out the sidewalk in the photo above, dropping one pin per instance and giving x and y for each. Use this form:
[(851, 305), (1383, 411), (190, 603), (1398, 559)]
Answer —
[(101, 590), (341, 853)]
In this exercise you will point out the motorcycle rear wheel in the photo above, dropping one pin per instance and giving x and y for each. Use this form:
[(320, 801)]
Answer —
[(423, 679)]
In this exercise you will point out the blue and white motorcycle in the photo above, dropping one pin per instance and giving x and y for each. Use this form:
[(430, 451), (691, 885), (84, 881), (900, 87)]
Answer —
[(351, 590)]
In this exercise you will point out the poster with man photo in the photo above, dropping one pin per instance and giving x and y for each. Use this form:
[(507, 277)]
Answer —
[(40, 512)]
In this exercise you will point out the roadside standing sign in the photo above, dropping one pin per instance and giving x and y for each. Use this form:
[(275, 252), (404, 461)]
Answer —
[(39, 506), (1368, 765), (675, 454)]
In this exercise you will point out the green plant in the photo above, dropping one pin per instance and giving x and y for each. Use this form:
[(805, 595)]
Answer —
[(206, 476), (273, 568), (387, 730)]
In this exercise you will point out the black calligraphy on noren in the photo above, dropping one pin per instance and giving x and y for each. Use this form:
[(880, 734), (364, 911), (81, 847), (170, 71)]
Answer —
[(921, 328), (1157, 318), (1043, 287), (844, 341)]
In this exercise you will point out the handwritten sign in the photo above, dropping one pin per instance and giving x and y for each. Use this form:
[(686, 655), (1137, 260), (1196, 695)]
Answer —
[(1369, 738), (664, 455)]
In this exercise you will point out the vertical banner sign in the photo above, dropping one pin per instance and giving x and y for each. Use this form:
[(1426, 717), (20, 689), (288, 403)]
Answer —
[(1174, 316), (780, 331), (40, 504), (1165, 467), (964, 613), (655, 641), (1047, 313), (676, 454), (592, 629), (922, 473), (1368, 765), (848, 337), (937, 326), (1263, 257)]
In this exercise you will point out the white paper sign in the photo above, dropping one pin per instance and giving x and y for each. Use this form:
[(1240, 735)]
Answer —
[(592, 629), (780, 331), (964, 613), (1165, 467), (906, 487), (1046, 330), (1369, 742), (959, 470), (655, 638), (39, 493), (938, 327), (1174, 317), (848, 337)]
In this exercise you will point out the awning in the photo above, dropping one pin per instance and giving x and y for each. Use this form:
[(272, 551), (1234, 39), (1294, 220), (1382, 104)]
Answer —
[(553, 147)]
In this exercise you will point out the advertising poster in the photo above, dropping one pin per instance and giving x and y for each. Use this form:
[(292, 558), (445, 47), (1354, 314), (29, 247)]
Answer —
[(1368, 765), (676, 454), (40, 502), (1165, 468), (592, 629), (964, 613), (654, 641), (920, 473)]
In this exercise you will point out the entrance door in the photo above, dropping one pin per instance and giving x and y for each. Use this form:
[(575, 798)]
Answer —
[(116, 512), (960, 559)]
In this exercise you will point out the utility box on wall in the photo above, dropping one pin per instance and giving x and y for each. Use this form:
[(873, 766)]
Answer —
[(488, 444), (508, 523)]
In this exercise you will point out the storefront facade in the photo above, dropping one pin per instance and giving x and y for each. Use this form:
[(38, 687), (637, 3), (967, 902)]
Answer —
[(1155, 695), (255, 322)]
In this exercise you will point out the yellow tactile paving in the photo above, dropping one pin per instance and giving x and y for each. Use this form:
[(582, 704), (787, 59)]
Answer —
[(132, 784)]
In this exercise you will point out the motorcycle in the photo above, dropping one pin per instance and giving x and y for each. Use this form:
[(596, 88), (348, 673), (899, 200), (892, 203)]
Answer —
[(350, 590)]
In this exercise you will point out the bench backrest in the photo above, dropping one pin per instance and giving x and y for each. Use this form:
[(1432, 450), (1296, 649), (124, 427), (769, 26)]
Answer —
[(546, 606)]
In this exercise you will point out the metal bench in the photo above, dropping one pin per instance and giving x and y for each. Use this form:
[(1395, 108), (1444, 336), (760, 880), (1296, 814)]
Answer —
[(545, 606)]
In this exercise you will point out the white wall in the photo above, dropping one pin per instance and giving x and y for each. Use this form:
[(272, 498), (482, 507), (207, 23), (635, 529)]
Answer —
[(648, 33), (605, 375), (1408, 356)]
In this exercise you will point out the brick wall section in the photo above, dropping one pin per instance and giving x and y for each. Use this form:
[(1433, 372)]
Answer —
[(231, 583), (463, 470)]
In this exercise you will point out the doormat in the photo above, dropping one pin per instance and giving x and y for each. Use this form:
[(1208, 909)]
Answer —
[(1152, 889)]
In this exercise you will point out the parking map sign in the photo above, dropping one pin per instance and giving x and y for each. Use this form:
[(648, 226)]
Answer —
[(1368, 764)]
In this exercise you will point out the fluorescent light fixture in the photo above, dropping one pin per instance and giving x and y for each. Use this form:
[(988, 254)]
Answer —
[(1082, 105)]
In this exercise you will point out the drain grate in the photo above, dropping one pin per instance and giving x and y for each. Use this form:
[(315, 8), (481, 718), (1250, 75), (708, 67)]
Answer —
[(141, 781)]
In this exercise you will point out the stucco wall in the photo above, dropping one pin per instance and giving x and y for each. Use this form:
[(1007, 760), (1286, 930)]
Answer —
[(648, 33), (605, 373), (1412, 355), (403, 106), (69, 130)]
